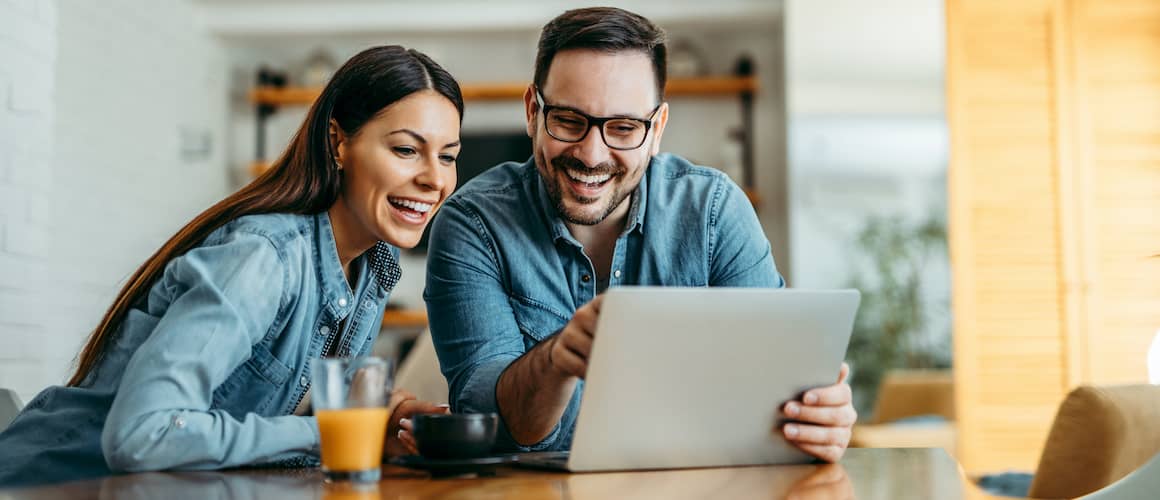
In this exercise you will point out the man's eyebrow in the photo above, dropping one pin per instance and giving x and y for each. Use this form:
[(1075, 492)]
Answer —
[(578, 111)]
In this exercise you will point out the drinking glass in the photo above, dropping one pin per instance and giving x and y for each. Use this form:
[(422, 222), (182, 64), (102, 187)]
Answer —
[(350, 398)]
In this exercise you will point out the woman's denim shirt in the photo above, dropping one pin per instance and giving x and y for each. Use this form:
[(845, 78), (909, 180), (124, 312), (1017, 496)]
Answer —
[(206, 372)]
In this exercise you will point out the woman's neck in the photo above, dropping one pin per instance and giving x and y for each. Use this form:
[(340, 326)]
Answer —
[(349, 238)]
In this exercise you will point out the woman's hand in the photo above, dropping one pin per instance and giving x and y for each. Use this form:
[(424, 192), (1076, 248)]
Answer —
[(399, 440)]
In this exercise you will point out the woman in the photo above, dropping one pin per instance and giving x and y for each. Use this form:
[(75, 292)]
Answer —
[(202, 362)]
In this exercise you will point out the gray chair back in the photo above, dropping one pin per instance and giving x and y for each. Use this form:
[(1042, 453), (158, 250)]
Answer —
[(10, 405)]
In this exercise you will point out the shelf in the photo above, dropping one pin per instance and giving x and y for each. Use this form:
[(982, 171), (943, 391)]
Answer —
[(258, 168), (705, 87), (405, 318)]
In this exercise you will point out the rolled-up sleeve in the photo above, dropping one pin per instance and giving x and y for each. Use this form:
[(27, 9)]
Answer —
[(740, 254), (225, 297), (472, 322)]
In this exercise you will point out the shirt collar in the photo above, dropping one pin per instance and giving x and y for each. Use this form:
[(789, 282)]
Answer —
[(382, 259)]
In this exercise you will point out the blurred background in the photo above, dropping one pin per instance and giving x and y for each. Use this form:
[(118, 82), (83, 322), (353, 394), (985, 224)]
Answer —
[(121, 120)]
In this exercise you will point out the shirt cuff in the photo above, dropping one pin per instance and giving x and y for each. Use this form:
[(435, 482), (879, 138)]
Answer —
[(479, 396)]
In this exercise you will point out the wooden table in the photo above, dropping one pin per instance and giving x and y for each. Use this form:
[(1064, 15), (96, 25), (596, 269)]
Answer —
[(895, 474)]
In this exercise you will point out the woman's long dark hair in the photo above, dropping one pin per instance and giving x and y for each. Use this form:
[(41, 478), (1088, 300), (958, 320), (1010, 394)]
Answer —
[(304, 180)]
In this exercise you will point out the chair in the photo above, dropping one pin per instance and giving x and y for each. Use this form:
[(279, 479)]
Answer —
[(908, 401), (10, 406), (419, 371), (1100, 435)]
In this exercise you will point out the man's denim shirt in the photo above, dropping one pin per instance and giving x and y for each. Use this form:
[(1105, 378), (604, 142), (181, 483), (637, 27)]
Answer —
[(504, 272), (206, 372)]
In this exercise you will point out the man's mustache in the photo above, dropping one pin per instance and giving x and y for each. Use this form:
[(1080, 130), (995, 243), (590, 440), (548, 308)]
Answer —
[(571, 164)]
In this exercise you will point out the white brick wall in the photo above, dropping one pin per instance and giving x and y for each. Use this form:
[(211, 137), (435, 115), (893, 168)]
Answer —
[(27, 65), (91, 176)]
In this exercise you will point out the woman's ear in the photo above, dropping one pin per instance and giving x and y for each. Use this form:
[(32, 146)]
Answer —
[(337, 142)]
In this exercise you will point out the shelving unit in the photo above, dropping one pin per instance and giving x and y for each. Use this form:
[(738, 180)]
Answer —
[(405, 318), (503, 91)]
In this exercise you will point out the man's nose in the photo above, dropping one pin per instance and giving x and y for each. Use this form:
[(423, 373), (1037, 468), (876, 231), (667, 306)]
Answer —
[(592, 150)]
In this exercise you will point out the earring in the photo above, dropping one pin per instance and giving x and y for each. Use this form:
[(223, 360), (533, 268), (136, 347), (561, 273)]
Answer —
[(338, 164)]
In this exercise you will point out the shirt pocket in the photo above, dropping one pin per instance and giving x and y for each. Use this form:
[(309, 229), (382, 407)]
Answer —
[(253, 386), (537, 321)]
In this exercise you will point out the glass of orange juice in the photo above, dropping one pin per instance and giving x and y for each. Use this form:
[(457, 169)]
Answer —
[(350, 397)]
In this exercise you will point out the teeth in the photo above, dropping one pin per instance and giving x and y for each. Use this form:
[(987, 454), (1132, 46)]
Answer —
[(413, 205), (589, 179)]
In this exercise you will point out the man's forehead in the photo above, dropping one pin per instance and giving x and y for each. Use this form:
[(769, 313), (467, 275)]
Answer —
[(602, 83)]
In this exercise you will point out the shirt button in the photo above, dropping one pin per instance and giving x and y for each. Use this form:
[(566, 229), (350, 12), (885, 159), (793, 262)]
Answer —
[(325, 330), (341, 302), (616, 274), (586, 278), (302, 381), (179, 422)]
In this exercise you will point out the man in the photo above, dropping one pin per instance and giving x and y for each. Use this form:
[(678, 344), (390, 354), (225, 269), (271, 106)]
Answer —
[(519, 256)]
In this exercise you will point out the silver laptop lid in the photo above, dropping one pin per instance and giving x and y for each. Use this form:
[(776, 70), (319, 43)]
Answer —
[(695, 377)]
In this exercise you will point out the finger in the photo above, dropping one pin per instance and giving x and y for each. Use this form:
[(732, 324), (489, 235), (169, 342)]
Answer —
[(579, 344), (830, 395), (413, 407), (837, 416), (569, 362), (829, 453), (398, 396), (596, 303), (843, 373), (585, 322), (587, 315), (406, 425), (817, 434), (408, 441), (408, 409)]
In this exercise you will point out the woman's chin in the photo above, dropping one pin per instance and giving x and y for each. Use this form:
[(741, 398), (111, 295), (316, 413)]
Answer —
[(402, 238)]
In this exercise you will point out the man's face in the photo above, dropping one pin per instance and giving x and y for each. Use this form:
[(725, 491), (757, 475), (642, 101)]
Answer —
[(588, 180)]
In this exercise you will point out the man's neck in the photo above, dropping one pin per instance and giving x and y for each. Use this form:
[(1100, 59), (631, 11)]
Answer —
[(599, 239)]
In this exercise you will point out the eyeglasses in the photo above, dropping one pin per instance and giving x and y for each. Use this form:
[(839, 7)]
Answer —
[(570, 125)]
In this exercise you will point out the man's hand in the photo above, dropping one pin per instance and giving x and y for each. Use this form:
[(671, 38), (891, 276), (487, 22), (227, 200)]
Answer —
[(570, 348), (821, 422), (404, 406)]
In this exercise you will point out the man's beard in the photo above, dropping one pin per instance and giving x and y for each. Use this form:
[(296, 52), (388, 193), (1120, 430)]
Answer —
[(562, 165)]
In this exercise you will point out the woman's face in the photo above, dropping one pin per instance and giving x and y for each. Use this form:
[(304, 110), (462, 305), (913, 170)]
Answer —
[(399, 168)]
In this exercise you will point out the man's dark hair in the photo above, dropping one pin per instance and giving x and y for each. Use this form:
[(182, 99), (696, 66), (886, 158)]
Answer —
[(606, 29)]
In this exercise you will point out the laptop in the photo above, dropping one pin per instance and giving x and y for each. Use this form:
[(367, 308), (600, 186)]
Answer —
[(696, 377)]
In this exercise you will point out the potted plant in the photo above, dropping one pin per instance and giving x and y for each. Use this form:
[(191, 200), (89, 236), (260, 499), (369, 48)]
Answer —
[(902, 322)]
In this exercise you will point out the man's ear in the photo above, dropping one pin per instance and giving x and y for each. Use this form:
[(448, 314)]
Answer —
[(337, 141), (659, 123), (531, 109)]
